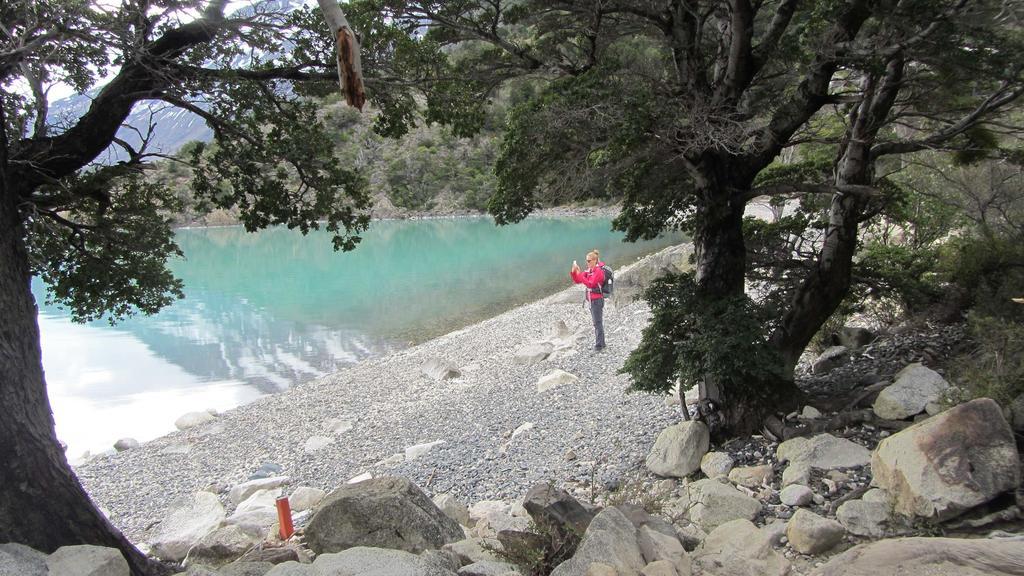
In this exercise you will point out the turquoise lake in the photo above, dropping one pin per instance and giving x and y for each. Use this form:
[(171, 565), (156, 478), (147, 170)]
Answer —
[(267, 310)]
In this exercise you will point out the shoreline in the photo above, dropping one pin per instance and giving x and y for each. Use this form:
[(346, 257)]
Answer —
[(590, 429)]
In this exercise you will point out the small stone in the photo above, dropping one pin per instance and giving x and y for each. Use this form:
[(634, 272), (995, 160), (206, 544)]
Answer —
[(810, 413), (796, 495), (126, 444)]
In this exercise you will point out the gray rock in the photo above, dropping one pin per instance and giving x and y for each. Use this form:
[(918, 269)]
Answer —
[(949, 463), (305, 498), (20, 560), (365, 561), (386, 512), (193, 419), (710, 503), (222, 546), (85, 560), (488, 569), (655, 545), (533, 353), (630, 283), (556, 510), (659, 568), (126, 444), (810, 413), (316, 443), (915, 386), (245, 569), (809, 533), (796, 495), (452, 508), (679, 449), (798, 473), (865, 518), (930, 557), (439, 370), (823, 452), (295, 569), (738, 548), (716, 464), (473, 550), (832, 358), (1017, 414), (853, 337), (188, 519), (243, 491), (611, 540)]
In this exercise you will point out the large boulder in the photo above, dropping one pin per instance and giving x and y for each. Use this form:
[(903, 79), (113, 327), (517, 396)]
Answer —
[(865, 518), (711, 503), (452, 508), (193, 419), (188, 519), (949, 463), (257, 514), (679, 449), (86, 560), (930, 557), (914, 388), (611, 540), (386, 512), (738, 548)]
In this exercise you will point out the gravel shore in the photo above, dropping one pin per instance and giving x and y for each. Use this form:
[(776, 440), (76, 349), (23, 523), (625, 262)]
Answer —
[(591, 430)]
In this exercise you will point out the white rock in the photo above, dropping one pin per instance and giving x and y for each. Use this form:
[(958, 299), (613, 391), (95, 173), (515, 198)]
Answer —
[(809, 533), (810, 412), (716, 464), (241, 492), (832, 358), (796, 473), (257, 513), (316, 443), (931, 557), (738, 548), (419, 450), (915, 386), (220, 547), (305, 498), (796, 495), (452, 508), (391, 460), (126, 444), (340, 425), (679, 449), (193, 419), (522, 429), (659, 568), (611, 540), (85, 560), (20, 560), (359, 478), (188, 519), (554, 379)]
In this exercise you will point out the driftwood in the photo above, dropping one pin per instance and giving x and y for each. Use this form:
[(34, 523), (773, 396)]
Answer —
[(350, 70), (840, 421)]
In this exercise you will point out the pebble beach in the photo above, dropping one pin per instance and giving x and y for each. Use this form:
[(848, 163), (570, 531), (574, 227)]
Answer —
[(495, 435)]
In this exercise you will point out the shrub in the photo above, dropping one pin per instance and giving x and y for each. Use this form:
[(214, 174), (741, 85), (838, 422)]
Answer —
[(995, 368)]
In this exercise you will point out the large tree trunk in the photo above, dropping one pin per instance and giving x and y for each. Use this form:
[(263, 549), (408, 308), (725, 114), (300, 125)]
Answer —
[(720, 260), (42, 504)]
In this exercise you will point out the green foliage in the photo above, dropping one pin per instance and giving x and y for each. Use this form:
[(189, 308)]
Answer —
[(989, 271), (904, 272), (113, 262), (995, 368), (276, 166), (693, 336), (538, 550)]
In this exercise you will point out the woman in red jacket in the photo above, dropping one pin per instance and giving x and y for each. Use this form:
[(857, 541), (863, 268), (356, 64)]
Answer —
[(593, 278)]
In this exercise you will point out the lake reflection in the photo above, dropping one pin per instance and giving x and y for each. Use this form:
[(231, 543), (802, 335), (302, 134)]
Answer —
[(266, 310)]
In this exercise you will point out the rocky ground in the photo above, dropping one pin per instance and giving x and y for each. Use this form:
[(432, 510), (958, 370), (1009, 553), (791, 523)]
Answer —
[(489, 412), (354, 422)]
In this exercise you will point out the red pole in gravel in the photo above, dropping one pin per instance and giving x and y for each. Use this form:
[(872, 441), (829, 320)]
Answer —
[(284, 518)]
